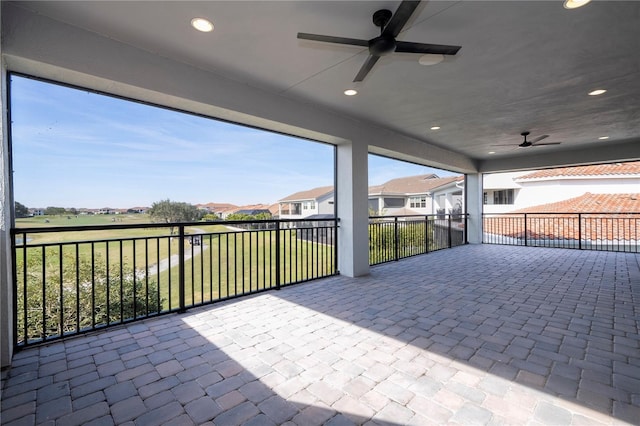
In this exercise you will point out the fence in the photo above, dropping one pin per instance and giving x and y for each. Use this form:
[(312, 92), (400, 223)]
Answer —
[(396, 237), (584, 231), (69, 280)]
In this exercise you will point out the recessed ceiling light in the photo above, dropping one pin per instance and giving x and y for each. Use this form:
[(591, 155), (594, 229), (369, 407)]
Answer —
[(603, 138), (574, 4), (202, 24), (435, 128), (430, 59), (492, 152), (597, 92), (350, 92)]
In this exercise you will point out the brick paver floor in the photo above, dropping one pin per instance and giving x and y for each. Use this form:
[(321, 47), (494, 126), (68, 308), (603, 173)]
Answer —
[(477, 334)]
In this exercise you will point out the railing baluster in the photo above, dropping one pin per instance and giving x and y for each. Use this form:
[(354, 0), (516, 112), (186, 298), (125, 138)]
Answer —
[(181, 284), (277, 255), (77, 288)]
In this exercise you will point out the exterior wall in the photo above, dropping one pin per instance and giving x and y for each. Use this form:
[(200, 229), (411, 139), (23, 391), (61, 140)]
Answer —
[(529, 193), (326, 205)]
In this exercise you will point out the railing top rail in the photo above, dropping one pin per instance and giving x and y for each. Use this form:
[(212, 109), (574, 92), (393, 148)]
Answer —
[(419, 215), (43, 229), (559, 213)]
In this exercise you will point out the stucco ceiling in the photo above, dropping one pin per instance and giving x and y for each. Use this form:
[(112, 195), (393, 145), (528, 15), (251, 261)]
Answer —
[(522, 66)]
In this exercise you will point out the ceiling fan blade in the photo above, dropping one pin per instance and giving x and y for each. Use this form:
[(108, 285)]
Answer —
[(546, 143), (539, 138), (366, 67), (400, 18), (332, 39), (442, 49)]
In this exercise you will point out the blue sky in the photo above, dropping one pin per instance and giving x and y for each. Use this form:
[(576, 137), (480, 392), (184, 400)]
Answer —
[(73, 148)]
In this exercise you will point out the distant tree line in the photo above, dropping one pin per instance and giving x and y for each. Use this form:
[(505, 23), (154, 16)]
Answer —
[(165, 211)]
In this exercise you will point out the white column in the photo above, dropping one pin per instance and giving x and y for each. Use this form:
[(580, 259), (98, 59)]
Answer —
[(353, 209), (6, 289), (473, 189)]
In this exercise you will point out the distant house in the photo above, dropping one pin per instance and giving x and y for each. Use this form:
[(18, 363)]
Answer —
[(252, 209), (138, 210), (36, 212), (274, 209), (508, 192), (300, 205), (216, 208), (414, 195)]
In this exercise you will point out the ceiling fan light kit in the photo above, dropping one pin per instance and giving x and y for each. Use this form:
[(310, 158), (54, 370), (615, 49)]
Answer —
[(390, 26), (430, 59)]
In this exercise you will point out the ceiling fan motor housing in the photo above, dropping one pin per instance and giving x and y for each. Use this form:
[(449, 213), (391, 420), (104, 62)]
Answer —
[(382, 45)]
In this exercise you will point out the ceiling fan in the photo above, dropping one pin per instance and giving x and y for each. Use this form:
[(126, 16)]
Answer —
[(390, 26), (526, 144)]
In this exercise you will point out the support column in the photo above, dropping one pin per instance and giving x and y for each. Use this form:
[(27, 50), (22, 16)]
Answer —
[(353, 209), (473, 205), (6, 203)]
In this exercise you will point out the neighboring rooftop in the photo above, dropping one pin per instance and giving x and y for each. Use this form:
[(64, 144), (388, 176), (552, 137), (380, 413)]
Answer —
[(613, 169), (590, 203), (419, 184), (310, 194)]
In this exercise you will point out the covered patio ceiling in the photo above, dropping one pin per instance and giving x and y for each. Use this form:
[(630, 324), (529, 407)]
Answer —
[(523, 66)]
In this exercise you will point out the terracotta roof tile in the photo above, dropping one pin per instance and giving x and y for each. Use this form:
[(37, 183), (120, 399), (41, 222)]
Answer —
[(630, 168), (590, 203), (604, 217)]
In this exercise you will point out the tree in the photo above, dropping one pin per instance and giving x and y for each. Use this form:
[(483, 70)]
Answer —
[(168, 211), (54, 211), (21, 210)]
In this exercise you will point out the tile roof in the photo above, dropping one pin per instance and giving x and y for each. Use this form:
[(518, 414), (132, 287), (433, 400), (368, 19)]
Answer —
[(590, 203), (250, 207), (216, 206), (311, 194), (630, 168), (623, 225), (419, 184)]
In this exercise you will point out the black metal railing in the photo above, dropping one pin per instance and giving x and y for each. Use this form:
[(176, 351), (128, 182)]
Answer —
[(584, 231), (397, 237), (69, 280)]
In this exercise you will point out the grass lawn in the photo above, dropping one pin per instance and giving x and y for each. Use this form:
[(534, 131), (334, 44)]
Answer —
[(226, 263)]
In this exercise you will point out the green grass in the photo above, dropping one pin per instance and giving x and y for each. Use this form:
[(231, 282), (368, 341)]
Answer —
[(228, 263)]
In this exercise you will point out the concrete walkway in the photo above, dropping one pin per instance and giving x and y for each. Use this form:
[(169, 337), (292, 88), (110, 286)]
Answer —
[(473, 335)]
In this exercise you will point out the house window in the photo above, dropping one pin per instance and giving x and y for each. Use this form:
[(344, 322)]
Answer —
[(296, 208), (418, 202), (394, 202), (504, 196), (485, 198)]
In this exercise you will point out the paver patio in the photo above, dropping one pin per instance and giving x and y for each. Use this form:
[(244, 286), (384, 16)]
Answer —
[(477, 334)]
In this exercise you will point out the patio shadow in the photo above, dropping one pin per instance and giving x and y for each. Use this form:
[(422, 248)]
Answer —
[(563, 322)]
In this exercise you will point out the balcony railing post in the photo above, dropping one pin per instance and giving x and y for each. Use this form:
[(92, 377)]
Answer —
[(395, 239), (525, 230), (278, 255), (449, 229), (426, 234), (181, 283), (579, 231), (466, 234)]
